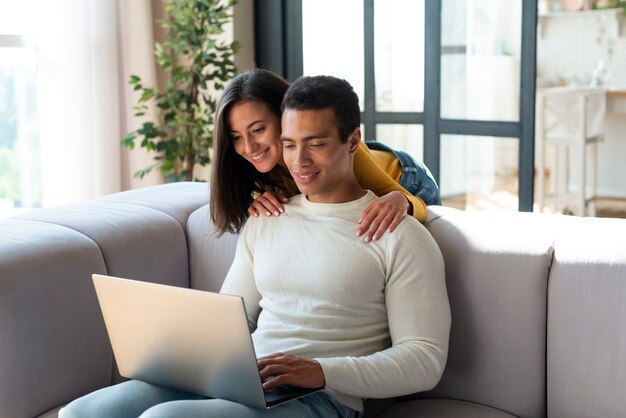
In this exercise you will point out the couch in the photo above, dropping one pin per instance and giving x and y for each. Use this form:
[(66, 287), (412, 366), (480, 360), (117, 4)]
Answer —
[(538, 303)]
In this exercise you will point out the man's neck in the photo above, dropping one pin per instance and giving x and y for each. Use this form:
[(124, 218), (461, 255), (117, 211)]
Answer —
[(349, 194)]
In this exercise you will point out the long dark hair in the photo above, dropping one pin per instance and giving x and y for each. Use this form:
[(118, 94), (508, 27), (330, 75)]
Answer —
[(234, 179)]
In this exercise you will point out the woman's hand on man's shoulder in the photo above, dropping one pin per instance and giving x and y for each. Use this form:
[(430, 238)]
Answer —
[(268, 204)]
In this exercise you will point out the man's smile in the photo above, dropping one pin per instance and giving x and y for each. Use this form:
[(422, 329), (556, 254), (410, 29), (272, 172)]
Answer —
[(306, 178)]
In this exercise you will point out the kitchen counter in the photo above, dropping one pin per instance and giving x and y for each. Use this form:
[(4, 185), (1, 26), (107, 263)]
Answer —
[(616, 100)]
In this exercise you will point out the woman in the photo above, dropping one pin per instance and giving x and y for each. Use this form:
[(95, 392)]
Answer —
[(250, 176)]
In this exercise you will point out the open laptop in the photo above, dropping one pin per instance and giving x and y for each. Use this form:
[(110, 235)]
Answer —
[(185, 339)]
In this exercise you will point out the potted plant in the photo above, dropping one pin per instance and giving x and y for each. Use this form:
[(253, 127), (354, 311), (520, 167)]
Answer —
[(611, 4), (198, 64)]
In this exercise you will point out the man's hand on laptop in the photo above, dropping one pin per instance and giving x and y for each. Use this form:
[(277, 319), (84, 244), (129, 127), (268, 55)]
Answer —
[(282, 369)]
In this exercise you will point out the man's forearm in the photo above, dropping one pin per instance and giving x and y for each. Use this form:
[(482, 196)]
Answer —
[(401, 370)]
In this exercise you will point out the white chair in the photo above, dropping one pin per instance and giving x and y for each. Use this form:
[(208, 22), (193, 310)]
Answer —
[(571, 121)]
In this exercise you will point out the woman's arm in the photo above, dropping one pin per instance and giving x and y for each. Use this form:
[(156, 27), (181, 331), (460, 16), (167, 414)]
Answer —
[(384, 213)]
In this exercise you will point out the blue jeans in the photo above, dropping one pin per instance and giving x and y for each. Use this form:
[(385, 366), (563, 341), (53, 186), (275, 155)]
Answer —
[(134, 399), (416, 177)]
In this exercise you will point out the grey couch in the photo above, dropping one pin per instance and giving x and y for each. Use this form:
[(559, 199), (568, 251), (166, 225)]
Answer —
[(538, 303)]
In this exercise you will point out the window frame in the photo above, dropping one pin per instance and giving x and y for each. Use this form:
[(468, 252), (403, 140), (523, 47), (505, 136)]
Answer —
[(278, 42)]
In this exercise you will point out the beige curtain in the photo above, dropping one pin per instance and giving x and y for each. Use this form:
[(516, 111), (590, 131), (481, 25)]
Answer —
[(87, 50), (138, 32)]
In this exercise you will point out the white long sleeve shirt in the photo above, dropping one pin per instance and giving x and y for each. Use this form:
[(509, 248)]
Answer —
[(374, 315)]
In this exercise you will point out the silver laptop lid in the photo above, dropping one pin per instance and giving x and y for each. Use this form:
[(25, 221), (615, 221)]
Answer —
[(155, 341)]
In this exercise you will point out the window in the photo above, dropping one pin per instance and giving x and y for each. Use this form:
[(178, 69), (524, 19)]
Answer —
[(435, 78), (60, 102), (20, 152), (323, 54)]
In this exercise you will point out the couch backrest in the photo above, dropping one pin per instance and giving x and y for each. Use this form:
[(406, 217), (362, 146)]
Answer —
[(210, 257), (587, 322), (497, 268)]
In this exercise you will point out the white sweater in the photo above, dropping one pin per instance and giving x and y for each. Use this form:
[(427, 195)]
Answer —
[(375, 315)]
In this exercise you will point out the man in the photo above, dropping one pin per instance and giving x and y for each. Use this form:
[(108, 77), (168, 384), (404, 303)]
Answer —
[(327, 309), (361, 320)]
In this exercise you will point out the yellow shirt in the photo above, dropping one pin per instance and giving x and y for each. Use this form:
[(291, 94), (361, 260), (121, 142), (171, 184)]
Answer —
[(378, 171)]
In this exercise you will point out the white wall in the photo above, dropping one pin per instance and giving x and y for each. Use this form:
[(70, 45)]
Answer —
[(570, 45)]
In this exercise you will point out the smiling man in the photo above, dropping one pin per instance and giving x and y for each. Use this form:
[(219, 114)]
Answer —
[(317, 157), (361, 320)]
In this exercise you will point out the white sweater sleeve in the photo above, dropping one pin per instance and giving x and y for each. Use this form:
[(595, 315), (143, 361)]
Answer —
[(240, 278), (418, 314)]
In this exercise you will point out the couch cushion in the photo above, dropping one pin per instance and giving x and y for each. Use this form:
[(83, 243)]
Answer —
[(53, 344), (137, 242), (209, 257), (178, 200), (53, 413), (587, 322), (441, 408), (496, 272)]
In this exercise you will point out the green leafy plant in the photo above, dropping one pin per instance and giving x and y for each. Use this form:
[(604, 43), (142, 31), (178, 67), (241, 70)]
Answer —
[(198, 64), (613, 4)]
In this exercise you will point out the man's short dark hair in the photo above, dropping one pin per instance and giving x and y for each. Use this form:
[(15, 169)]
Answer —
[(323, 92)]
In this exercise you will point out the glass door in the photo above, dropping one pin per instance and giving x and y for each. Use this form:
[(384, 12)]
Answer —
[(480, 82), (452, 82)]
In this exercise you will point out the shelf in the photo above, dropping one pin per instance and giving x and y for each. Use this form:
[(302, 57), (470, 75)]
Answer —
[(612, 14), (581, 13)]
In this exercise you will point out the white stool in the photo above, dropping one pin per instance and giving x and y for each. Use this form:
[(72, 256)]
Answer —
[(571, 120)]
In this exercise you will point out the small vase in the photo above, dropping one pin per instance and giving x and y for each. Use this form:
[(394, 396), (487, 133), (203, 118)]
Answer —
[(572, 5)]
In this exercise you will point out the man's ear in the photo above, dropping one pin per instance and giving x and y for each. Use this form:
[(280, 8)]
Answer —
[(354, 140)]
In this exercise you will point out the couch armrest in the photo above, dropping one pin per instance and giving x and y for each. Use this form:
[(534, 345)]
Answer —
[(52, 338)]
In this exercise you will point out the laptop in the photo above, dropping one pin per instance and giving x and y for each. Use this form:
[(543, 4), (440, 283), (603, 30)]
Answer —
[(185, 339)]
